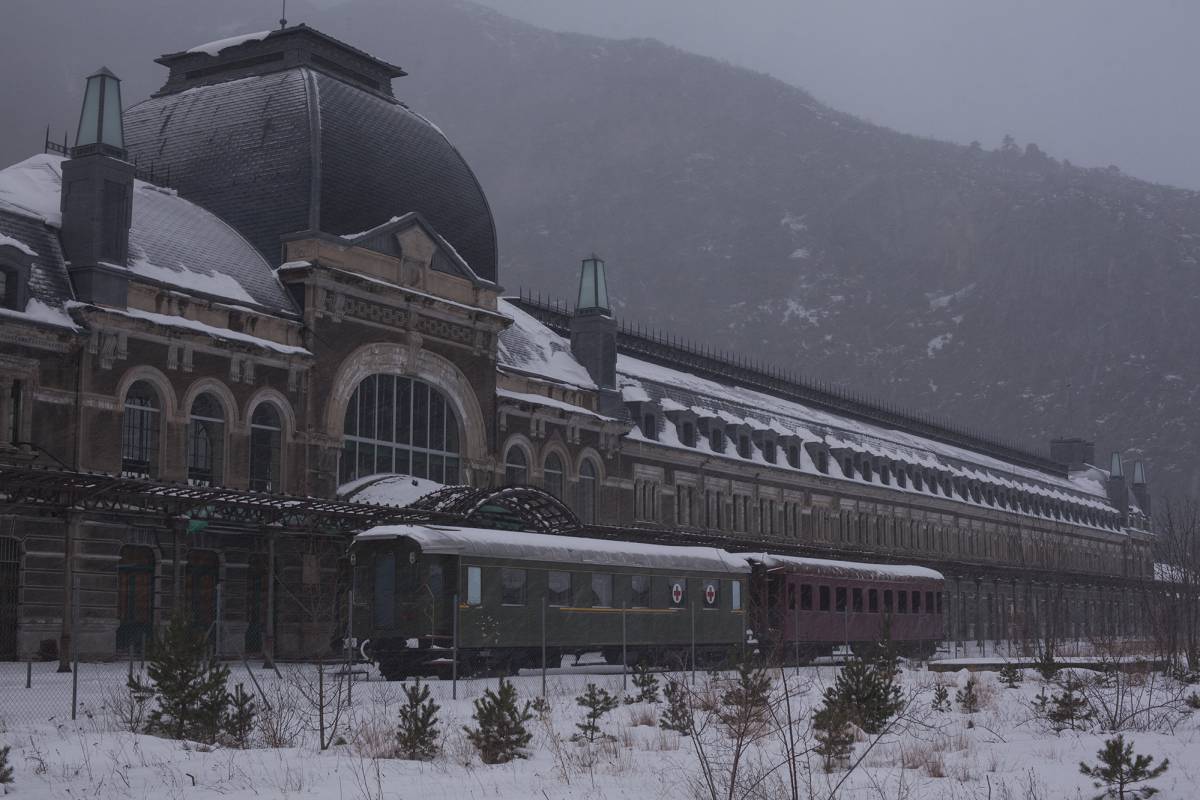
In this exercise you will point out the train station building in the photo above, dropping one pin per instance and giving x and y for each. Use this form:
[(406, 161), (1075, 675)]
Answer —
[(261, 309)]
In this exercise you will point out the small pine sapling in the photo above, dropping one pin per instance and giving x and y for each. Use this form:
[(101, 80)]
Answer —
[(1120, 769), (6, 770), (834, 735), (967, 697), (189, 687), (500, 735), (1010, 675), (239, 717), (646, 683), (598, 702), (417, 736), (678, 715), (867, 692), (1069, 708), (941, 698)]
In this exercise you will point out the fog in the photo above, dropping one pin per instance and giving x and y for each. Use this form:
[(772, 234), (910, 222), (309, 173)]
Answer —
[(1098, 82)]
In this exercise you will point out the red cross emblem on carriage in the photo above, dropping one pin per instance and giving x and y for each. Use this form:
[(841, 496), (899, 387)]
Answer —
[(676, 594)]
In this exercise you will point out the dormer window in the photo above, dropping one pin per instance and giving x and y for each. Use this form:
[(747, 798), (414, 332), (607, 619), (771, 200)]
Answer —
[(716, 440), (822, 461), (744, 446), (687, 434), (650, 427), (769, 451), (902, 478), (5, 280), (14, 274), (866, 470), (885, 475), (848, 467)]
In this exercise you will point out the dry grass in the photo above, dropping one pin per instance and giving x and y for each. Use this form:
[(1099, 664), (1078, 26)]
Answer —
[(643, 715)]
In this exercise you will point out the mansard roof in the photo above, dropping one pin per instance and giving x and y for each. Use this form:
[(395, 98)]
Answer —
[(294, 131), (172, 241)]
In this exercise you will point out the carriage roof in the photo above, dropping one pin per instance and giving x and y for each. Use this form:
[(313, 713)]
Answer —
[(525, 546), (845, 569)]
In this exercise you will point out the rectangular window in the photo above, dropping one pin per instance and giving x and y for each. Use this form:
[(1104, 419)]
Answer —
[(841, 598), (902, 599), (858, 601), (385, 591), (824, 597), (916, 603), (873, 600), (735, 595), (939, 602), (602, 589), (806, 597), (558, 586), (887, 601), (474, 586), (791, 597), (512, 586), (639, 591), (929, 602)]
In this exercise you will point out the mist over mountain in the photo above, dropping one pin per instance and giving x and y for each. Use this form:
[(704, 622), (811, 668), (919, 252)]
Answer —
[(1005, 289)]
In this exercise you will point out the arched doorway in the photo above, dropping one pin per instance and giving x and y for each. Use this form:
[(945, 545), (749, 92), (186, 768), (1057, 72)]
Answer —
[(10, 587), (135, 598)]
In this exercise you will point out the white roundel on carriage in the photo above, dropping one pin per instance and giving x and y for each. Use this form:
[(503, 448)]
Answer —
[(677, 594), (710, 593)]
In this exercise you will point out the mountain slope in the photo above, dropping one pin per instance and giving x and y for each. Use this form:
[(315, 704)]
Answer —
[(1003, 289)]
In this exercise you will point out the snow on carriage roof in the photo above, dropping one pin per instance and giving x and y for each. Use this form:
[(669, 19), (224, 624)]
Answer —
[(521, 545), (846, 568)]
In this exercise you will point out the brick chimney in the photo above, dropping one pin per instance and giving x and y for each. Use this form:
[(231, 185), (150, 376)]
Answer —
[(1074, 453), (97, 197)]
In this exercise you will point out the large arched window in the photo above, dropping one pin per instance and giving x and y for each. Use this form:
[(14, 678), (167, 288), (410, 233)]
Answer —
[(554, 475), (205, 441), (265, 436), (402, 426), (585, 505), (139, 431), (516, 466)]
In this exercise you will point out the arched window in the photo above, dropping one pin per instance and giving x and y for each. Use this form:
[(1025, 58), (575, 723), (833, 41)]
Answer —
[(135, 599), (585, 505), (516, 466), (205, 441), (554, 478), (266, 434), (139, 431), (402, 426)]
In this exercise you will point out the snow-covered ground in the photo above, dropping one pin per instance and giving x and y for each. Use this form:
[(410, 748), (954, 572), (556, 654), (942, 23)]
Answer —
[(1000, 752)]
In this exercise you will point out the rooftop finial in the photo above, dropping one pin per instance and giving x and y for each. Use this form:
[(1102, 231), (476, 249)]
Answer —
[(283, 16)]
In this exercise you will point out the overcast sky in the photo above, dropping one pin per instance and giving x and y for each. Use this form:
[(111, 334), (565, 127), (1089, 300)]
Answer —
[(1098, 82)]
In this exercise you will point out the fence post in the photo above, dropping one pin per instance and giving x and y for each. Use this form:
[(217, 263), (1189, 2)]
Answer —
[(544, 602), (693, 609), (75, 649), (796, 620), (350, 646), (29, 674), (454, 660), (217, 623), (321, 701), (624, 652)]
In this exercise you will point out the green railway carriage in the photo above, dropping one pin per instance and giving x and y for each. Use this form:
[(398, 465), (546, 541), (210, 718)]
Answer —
[(517, 591)]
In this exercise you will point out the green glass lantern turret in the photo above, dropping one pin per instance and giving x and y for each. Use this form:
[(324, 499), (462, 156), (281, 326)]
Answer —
[(593, 287), (101, 129)]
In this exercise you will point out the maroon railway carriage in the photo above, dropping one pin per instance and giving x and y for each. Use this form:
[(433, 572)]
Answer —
[(809, 606)]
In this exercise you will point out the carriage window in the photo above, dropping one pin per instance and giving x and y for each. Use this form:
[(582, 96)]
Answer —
[(873, 600), (824, 595), (806, 597), (929, 602), (559, 584), (841, 598), (939, 602), (677, 592), (916, 603), (639, 591), (887, 601), (512, 586), (902, 599), (385, 590), (474, 586), (711, 595), (602, 593), (791, 597), (735, 595), (857, 599)]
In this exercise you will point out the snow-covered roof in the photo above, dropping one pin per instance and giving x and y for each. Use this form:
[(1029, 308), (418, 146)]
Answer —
[(214, 48), (387, 489), (547, 402), (523, 546), (195, 326), (171, 240), (845, 569), (530, 347)]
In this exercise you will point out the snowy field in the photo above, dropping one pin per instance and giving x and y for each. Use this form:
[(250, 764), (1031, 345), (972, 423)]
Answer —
[(1003, 751)]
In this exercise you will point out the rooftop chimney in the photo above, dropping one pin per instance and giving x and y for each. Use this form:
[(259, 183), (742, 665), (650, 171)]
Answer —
[(97, 196), (1073, 452), (594, 332), (1118, 491), (1141, 489)]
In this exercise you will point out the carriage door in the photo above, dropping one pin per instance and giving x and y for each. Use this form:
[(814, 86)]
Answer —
[(135, 598), (10, 574)]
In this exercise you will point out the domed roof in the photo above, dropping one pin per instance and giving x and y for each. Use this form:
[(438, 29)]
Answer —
[(291, 130)]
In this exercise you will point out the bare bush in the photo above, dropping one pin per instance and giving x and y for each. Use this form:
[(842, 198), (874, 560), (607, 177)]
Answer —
[(280, 720)]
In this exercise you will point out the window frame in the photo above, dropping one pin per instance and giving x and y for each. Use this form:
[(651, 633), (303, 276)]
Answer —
[(605, 577), (566, 598), (474, 584), (523, 589), (635, 594)]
